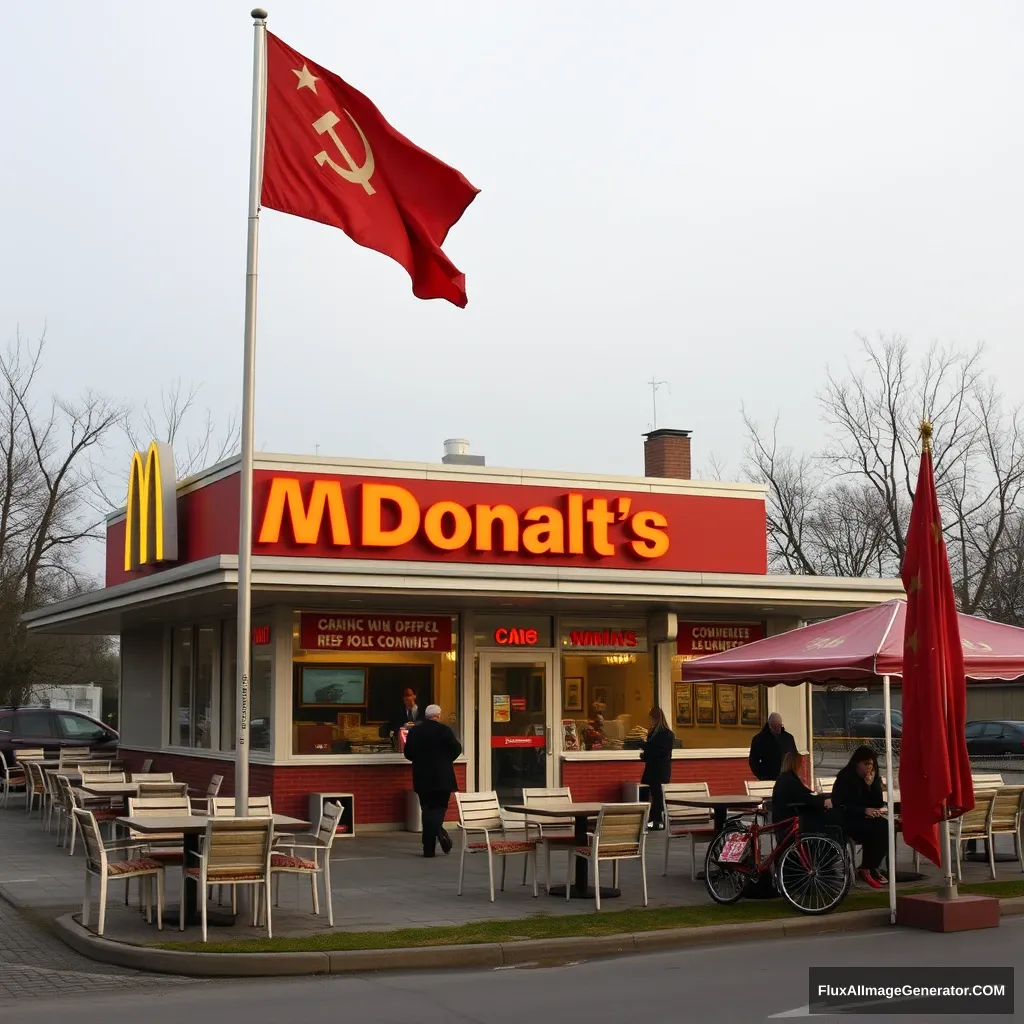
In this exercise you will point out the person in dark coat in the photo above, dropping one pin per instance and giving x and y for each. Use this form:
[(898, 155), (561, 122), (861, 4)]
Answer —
[(857, 794), (769, 748), (656, 754), (432, 747), (409, 715), (792, 799)]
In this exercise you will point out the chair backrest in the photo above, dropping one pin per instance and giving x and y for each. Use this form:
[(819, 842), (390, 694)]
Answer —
[(759, 788), (88, 775), (95, 853), (216, 781), (74, 754), (991, 781), (686, 815), (66, 792), (29, 754), (157, 777), (327, 830), (224, 806), (479, 811), (36, 778), (622, 829), (976, 820), (825, 785), (1006, 809), (147, 766), (159, 806), (88, 765), (549, 799), (159, 789), (238, 847)]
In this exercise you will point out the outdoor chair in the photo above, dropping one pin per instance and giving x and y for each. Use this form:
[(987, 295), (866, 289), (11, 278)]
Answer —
[(147, 767), (224, 807), (91, 765), (71, 800), (551, 832), (620, 834), (11, 778), (98, 863), (975, 824), (153, 776), (697, 824), (157, 789), (29, 754), (1006, 819), (202, 803), (51, 799), (480, 814), (235, 851), (283, 859), (164, 847), (824, 786), (70, 755), (36, 783)]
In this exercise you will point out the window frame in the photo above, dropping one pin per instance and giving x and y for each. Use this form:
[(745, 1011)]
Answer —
[(19, 733), (173, 734)]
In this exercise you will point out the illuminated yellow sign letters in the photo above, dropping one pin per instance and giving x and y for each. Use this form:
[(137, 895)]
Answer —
[(151, 523)]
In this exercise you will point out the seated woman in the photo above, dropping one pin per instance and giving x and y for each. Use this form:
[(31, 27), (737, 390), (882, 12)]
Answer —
[(791, 798), (857, 793)]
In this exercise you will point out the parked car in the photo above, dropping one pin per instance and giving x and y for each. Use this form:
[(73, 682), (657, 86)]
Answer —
[(870, 723), (51, 730), (995, 739)]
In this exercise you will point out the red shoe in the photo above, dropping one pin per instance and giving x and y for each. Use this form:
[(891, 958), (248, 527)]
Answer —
[(868, 879)]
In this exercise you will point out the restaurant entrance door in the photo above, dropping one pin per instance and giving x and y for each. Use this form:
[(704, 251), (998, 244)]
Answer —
[(515, 723)]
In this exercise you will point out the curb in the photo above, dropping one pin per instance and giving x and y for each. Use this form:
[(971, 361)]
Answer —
[(494, 954)]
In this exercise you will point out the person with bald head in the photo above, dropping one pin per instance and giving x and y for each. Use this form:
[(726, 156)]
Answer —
[(433, 747), (769, 748)]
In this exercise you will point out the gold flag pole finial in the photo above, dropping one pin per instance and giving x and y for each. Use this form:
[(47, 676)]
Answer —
[(926, 435)]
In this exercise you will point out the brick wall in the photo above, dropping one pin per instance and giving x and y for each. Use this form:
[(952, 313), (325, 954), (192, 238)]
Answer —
[(601, 781), (379, 790)]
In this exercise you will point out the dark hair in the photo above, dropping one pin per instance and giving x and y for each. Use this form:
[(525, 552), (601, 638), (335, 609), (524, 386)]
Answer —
[(660, 721), (793, 762), (862, 754)]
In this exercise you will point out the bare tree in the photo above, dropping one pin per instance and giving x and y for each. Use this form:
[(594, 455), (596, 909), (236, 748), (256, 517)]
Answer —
[(46, 518), (845, 509), (192, 433)]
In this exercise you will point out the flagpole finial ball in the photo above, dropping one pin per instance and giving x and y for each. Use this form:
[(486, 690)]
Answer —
[(926, 435), (259, 14)]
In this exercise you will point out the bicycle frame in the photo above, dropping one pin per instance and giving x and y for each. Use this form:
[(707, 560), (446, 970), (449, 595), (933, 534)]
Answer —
[(784, 833)]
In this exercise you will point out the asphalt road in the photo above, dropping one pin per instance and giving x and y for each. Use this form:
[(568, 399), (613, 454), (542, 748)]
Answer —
[(739, 982)]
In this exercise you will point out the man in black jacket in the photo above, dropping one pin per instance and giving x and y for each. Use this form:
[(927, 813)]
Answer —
[(433, 748), (768, 748)]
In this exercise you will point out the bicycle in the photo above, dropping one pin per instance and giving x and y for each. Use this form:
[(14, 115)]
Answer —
[(809, 869)]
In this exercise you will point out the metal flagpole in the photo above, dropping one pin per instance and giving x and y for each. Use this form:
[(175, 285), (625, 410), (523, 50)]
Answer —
[(891, 811), (259, 100)]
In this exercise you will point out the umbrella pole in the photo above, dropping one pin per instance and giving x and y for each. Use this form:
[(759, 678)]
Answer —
[(810, 734), (890, 789), (949, 887)]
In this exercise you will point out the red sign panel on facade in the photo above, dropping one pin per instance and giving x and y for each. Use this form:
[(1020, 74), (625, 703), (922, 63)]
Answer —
[(698, 639), (514, 636), (374, 633), (260, 636), (517, 741)]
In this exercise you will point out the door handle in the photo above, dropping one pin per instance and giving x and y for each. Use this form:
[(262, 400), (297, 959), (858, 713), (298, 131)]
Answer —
[(547, 748)]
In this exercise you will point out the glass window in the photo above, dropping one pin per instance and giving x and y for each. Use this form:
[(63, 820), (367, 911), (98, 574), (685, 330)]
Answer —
[(202, 695), (6, 722), (358, 679), (181, 687), (260, 690), (35, 725), (77, 728)]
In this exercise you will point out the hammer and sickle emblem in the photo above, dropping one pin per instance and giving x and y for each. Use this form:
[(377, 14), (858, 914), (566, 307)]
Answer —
[(355, 173)]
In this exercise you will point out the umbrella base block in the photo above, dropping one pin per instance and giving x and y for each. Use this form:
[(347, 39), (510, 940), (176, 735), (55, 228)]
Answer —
[(933, 913)]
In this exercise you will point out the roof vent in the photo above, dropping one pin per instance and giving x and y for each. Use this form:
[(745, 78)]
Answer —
[(456, 453)]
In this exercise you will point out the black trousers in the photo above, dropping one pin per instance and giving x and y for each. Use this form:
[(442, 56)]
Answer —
[(657, 802), (433, 807), (873, 835)]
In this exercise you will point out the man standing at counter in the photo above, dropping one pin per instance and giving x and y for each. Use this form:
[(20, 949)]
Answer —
[(408, 716), (433, 748), (768, 749)]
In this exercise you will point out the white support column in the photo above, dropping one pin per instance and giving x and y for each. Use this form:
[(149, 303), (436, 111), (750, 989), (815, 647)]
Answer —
[(466, 668), (281, 683)]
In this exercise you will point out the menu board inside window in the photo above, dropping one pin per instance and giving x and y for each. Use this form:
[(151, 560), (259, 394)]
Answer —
[(750, 706), (705, 701), (725, 694), (684, 703)]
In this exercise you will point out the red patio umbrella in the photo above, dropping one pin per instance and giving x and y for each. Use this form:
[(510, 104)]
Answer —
[(859, 648)]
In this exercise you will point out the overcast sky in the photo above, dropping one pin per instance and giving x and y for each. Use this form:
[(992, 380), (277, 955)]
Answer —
[(719, 195)]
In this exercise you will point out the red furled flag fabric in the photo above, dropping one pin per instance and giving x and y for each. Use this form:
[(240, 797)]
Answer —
[(330, 156), (935, 773)]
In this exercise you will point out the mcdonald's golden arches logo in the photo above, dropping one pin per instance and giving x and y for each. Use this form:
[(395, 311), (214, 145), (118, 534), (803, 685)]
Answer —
[(151, 522)]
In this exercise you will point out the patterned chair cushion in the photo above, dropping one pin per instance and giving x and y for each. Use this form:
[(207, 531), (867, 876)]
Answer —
[(127, 867), (225, 875), (611, 850), (281, 860), (503, 847)]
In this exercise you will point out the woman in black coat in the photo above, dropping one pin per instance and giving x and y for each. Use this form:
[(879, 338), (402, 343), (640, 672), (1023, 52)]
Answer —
[(791, 798), (656, 754), (857, 793)]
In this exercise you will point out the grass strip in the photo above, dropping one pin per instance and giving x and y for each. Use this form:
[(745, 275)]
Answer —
[(550, 926)]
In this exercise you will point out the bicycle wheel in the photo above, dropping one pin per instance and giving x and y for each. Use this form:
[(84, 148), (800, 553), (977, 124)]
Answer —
[(813, 875), (725, 883)]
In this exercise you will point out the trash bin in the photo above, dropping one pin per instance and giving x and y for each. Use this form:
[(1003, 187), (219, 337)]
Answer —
[(413, 815)]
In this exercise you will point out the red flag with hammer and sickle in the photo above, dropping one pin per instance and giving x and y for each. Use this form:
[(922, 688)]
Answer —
[(330, 156)]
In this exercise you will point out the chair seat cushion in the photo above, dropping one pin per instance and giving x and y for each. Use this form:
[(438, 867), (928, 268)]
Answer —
[(506, 846), (280, 860), (226, 875), (127, 867), (611, 850)]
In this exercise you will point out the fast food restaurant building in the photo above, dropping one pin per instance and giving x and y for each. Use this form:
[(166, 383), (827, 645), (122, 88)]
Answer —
[(545, 612)]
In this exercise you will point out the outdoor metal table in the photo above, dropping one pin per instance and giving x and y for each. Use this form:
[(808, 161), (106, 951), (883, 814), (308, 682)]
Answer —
[(581, 815), (192, 827)]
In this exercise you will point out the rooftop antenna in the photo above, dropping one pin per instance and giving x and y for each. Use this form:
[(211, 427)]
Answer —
[(317, 447), (655, 384)]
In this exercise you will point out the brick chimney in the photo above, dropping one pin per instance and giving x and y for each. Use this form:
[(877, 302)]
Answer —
[(667, 454)]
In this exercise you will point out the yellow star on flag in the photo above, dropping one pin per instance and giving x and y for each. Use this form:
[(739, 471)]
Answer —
[(936, 532), (307, 80), (915, 583), (912, 641)]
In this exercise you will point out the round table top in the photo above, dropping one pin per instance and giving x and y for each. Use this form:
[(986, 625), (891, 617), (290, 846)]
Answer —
[(719, 800)]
